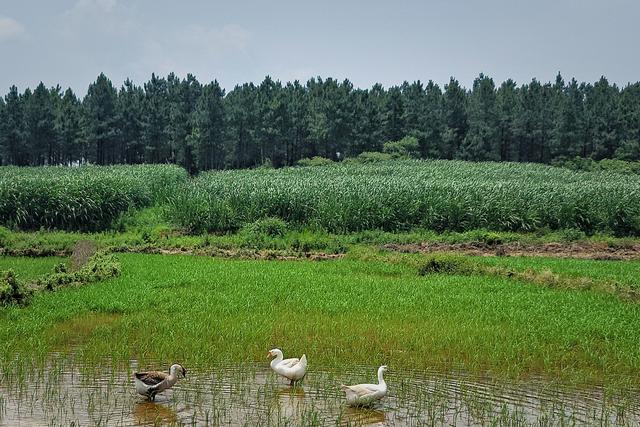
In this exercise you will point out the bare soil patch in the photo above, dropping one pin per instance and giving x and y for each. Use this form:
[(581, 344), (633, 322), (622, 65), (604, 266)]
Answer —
[(582, 250)]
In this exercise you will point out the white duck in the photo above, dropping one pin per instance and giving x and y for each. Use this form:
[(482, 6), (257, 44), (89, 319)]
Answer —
[(293, 369), (366, 394), (151, 383)]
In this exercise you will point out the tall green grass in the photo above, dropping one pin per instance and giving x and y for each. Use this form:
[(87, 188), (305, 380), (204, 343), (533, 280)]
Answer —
[(400, 195), (86, 198)]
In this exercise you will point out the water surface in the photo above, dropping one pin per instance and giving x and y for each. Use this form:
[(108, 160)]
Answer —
[(68, 392)]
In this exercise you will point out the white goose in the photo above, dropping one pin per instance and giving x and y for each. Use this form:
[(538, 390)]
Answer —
[(293, 369), (366, 394), (151, 383)]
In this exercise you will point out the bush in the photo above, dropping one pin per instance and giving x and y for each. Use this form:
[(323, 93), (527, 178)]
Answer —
[(314, 161), (372, 157), (490, 238), (11, 291), (4, 237), (99, 267), (271, 227), (448, 264), (406, 148), (572, 235)]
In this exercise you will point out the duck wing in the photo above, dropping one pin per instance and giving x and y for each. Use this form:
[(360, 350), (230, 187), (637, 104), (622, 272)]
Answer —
[(289, 363), (151, 378), (360, 391)]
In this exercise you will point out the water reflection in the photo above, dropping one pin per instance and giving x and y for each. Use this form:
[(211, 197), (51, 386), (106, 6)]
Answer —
[(363, 416), (152, 413), (66, 392)]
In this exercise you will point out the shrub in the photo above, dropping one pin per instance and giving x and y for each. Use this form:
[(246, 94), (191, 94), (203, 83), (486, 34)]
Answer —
[(11, 291), (572, 235), (271, 227), (406, 148), (4, 237), (99, 267), (314, 161), (372, 157), (448, 264)]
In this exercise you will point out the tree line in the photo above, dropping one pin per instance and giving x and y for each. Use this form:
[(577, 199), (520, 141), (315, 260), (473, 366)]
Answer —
[(199, 126)]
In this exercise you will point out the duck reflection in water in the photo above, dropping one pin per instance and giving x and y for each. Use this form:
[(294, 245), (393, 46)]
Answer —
[(146, 413)]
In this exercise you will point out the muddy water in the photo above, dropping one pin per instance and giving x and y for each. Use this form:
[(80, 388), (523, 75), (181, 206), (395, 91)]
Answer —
[(66, 393)]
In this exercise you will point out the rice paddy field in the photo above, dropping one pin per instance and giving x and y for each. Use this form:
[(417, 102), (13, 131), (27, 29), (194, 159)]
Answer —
[(216, 270), (478, 348)]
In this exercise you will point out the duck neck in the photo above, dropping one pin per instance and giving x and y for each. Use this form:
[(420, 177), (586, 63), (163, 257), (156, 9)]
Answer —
[(380, 377), (172, 378), (277, 360)]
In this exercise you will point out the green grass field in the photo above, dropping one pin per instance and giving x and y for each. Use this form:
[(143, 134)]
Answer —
[(29, 268), (625, 273), (201, 310)]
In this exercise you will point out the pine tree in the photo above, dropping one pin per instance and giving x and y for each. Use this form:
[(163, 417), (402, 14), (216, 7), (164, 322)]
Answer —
[(414, 117), (69, 129), (14, 140), (40, 126), (507, 111), (629, 132), (601, 108), (208, 135), (455, 115), (393, 115), (433, 124), (242, 117), (481, 140), (568, 130), (155, 121), (130, 112), (182, 97), (298, 113), (100, 119)]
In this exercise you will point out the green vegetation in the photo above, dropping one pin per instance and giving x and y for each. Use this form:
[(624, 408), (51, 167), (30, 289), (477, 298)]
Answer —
[(400, 195), (83, 198), (607, 165), (618, 274), (12, 291), (99, 267), (28, 269), (201, 127), (341, 312), (18, 290)]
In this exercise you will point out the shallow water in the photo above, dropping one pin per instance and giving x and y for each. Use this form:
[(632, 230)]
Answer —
[(66, 392)]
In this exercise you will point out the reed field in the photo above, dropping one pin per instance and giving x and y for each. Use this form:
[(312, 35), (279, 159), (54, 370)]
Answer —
[(400, 195), (84, 198)]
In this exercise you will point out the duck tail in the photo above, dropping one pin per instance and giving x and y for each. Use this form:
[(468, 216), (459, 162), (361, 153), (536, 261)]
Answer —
[(303, 360)]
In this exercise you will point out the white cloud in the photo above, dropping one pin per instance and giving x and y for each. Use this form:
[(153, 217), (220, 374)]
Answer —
[(10, 29)]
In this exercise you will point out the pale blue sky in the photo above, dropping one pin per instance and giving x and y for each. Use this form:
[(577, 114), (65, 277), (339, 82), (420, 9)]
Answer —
[(71, 41)]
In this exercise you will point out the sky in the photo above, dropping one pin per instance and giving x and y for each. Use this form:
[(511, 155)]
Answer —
[(69, 42)]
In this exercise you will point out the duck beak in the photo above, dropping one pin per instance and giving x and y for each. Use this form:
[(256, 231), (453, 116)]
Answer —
[(268, 355)]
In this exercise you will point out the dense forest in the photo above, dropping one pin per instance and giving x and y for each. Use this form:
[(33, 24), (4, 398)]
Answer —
[(199, 126)]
